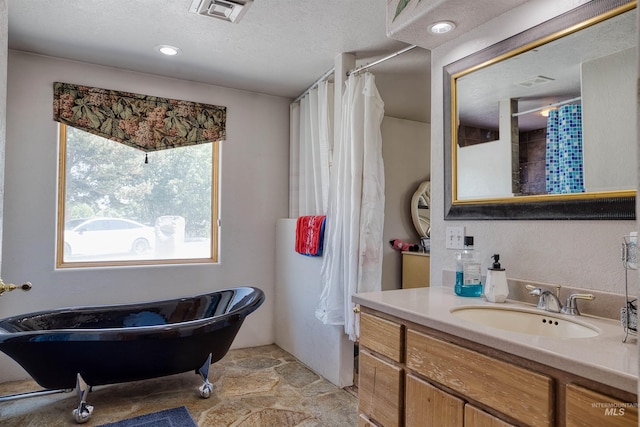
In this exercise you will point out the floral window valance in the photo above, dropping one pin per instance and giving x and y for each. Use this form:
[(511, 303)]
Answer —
[(144, 122)]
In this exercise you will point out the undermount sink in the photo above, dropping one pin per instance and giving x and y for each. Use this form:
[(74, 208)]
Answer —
[(525, 321)]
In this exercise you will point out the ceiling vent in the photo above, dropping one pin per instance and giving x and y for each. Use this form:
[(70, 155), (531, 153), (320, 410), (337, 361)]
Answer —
[(227, 10), (538, 80)]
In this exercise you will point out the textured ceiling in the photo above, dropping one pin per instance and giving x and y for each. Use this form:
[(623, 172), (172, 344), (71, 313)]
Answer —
[(279, 47)]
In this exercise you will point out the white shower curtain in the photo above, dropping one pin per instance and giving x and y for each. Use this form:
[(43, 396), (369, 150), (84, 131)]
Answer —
[(310, 151), (352, 261)]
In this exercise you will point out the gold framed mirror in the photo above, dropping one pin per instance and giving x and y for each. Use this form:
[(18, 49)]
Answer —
[(582, 65)]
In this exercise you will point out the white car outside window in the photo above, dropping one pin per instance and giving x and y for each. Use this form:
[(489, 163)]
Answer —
[(98, 236)]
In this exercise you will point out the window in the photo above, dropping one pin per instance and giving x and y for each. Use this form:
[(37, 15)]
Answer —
[(120, 206)]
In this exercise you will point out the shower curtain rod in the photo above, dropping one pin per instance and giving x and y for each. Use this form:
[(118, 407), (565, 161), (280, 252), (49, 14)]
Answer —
[(355, 70), (316, 83), (557, 104), (393, 55)]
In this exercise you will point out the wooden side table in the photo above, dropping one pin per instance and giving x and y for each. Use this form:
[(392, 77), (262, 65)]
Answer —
[(415, 270)]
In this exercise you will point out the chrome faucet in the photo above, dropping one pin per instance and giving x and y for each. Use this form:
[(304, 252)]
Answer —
[(546, 299), (572, 307), (549, 302)]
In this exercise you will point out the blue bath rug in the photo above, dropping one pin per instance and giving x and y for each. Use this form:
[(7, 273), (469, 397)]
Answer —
[(176, 417)]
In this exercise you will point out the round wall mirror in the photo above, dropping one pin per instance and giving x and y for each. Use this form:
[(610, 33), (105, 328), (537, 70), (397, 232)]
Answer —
[(420, 204)]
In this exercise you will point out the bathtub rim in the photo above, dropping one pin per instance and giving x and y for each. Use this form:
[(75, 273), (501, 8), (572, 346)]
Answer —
[(184, 328)]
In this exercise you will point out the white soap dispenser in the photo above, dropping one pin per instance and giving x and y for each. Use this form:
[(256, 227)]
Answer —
[(496, 288)]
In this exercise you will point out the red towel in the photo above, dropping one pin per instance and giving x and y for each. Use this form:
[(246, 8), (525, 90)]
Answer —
[(309, 234)]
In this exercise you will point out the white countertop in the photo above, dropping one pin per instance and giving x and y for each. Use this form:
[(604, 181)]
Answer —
[(604, 358)]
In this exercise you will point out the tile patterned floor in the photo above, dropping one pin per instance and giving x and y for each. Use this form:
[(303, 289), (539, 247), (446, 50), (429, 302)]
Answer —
[(253, 387)]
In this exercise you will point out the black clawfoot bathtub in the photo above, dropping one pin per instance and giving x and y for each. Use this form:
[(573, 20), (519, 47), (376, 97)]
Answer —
[(112, 344)]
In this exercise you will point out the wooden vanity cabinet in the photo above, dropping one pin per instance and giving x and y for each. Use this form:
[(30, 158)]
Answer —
[(478, 418), (411, 376), (363, 421), (382, 336), (380, 372), (585, 408), (380, 392), (514, 391), (426, 405)]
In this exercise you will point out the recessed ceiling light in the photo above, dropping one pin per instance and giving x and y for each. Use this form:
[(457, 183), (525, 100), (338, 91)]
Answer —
[(442, 27), (165, 49)]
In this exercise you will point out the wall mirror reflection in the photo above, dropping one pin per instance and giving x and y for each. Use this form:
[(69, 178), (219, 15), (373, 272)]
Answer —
[(543, 125)]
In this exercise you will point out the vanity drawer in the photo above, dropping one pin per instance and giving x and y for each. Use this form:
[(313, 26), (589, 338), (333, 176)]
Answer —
[(380, 390), (521, 394), (382, 336), (585, 408)]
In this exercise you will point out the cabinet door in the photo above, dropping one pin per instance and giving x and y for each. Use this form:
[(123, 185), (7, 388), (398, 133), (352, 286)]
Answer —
[(474, 417), (427, 406), (363, 421), (380, 390), (516, 392), (586, 408)]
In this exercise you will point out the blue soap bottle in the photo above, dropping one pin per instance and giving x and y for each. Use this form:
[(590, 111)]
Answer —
[(468, 271)]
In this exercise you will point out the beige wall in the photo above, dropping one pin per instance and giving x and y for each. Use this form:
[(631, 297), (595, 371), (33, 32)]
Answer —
[(405, 150), (579, 253), (254, 187)]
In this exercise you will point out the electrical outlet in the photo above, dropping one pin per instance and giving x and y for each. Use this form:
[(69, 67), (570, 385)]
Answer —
[(455, 238)]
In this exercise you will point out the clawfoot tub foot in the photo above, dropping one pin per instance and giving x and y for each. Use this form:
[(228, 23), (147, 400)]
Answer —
[(83, 412), (207, 387)]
